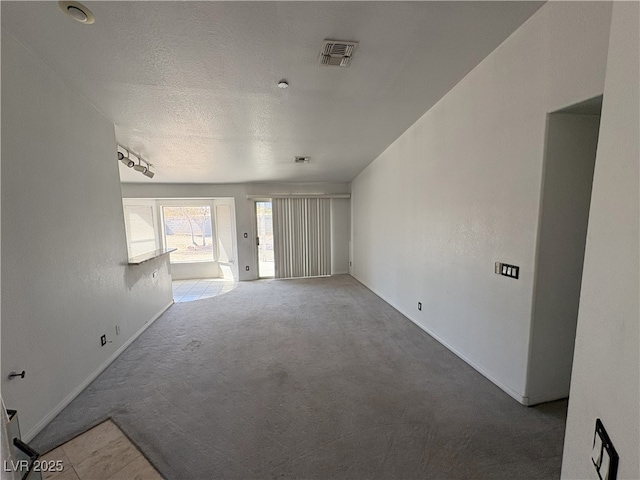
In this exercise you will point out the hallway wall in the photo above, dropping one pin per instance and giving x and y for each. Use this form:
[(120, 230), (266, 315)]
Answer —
[(461, 189)]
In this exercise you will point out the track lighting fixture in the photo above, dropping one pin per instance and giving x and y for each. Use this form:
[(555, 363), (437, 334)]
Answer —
[(142, 166)]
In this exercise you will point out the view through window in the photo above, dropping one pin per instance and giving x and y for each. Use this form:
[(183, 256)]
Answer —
[(188, 229)]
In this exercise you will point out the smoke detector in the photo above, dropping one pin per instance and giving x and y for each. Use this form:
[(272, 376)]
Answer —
[(336, 53), (301, 159)]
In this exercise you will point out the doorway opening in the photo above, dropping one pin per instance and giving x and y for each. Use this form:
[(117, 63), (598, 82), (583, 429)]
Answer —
[(264, 239), (570, 155)]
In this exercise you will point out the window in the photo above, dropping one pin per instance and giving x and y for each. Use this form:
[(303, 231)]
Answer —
[(140, 226), (201, 230), (188, 229)]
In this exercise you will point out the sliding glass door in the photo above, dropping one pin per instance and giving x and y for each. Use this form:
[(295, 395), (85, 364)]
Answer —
[(302, 237)]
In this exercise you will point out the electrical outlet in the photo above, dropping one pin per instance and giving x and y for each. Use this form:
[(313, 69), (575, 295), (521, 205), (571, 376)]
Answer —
[(350, 264), (117, 329), (154, 274), (103, 340), (420, 306), (247, 268)]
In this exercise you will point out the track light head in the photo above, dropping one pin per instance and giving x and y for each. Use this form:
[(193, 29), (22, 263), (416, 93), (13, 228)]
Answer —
[(140, 168), (149, 173), (126, 160)]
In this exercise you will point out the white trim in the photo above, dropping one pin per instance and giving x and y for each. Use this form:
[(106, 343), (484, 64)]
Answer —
[(30, 435), (508, 390), (547, 397)]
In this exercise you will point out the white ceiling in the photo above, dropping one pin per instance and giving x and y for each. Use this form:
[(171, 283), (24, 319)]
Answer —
[(192, 86)]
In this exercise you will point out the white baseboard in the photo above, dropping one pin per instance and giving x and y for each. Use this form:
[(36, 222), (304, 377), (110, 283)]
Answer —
[(508, 390), (547, 397), (30, 435)]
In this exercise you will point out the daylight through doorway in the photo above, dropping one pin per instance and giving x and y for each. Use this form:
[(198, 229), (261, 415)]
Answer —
[(266, 264)]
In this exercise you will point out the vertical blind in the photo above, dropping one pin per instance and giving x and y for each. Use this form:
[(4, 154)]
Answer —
[(302, 237)]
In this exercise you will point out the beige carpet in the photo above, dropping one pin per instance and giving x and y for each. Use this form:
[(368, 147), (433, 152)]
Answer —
[(313, 378)]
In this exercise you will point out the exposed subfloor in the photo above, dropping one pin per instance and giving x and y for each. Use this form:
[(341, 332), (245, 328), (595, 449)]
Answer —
[(313, 378)]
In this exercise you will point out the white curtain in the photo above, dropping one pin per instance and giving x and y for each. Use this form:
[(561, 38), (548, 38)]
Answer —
[(302, 237)]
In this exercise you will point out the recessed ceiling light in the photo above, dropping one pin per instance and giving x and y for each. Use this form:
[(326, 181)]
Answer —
[(283, 84), (78, 12)]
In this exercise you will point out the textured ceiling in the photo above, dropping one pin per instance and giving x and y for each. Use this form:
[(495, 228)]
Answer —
[(192, 86)]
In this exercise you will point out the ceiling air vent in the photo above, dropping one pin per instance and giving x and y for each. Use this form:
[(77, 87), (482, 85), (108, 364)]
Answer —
[(301, 159), (337, 53)]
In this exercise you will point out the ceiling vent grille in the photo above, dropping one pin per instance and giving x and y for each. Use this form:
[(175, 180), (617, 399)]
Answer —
[(337, 53)]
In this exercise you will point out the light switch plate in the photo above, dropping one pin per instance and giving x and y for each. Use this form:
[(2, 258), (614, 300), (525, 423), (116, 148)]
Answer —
[(603, 455), (506, 270), (596, 452)]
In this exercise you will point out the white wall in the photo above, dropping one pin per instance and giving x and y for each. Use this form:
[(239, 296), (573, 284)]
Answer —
[(606, 372), (568, 174), (244, 207), (64, 254), (187, 271), (461, 188), (340, 234)]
